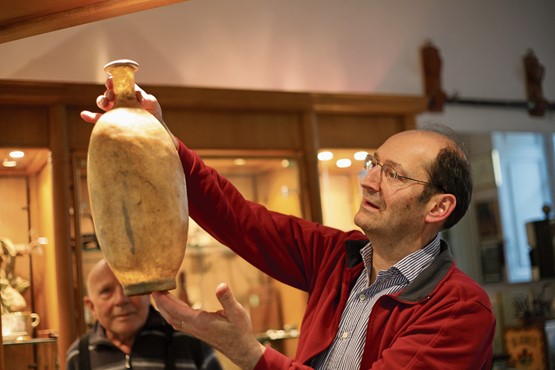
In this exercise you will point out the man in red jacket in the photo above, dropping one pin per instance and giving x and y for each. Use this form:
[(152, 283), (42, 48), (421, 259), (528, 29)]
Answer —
[(388, 298)]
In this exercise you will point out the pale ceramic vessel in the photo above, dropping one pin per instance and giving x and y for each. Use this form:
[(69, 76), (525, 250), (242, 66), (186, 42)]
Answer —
[(137, 191)]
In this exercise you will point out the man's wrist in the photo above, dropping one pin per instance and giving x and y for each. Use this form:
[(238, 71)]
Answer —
[(249, 360)]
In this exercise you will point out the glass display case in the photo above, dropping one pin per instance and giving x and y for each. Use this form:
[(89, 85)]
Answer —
[(270, 178), (25, 230)]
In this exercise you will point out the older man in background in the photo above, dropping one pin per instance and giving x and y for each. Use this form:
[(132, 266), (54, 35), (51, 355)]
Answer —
[(130, 334)]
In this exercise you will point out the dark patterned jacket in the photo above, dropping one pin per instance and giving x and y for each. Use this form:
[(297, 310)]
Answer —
[(156, 344)]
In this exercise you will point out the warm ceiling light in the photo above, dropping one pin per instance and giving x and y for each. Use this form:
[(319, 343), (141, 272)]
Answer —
[(239, 162), (360, 156), (9, 163), (285, 163), (343, 163), (17, 154), (325, 156)]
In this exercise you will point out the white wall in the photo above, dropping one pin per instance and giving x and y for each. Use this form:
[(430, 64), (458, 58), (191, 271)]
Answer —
[(368, 46)]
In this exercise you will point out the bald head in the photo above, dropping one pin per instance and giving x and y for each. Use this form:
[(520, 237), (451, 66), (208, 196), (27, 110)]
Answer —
[(101, 268)]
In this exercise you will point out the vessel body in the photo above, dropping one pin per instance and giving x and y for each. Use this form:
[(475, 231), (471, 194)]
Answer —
[(138, 199)]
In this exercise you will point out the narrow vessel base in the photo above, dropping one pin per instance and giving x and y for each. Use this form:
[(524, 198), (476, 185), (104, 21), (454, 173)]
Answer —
[(149, 287)]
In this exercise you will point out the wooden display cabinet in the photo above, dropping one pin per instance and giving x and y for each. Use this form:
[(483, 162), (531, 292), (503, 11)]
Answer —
[(39, 354), (208, 120)]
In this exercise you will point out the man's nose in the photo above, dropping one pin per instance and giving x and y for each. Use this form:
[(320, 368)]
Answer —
[(372, 178), (120, 296)]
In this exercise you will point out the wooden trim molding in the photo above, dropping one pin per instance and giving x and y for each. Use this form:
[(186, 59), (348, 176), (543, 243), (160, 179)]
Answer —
[(35, 92), (25, 18)]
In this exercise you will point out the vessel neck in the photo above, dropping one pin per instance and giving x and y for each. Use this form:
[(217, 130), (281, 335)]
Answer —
[(123, 77)]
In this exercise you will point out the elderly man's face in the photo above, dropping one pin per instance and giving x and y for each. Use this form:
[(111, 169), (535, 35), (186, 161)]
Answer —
[(121, 316)]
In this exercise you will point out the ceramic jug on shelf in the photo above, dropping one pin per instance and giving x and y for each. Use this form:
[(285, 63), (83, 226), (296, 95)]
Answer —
[(19, 325)]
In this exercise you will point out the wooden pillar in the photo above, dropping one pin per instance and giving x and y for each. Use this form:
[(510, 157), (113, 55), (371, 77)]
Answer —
[(310, 180), (409, 121), (62, 234)]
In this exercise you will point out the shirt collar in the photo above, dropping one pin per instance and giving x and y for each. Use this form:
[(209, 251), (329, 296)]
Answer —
[(410, 266)]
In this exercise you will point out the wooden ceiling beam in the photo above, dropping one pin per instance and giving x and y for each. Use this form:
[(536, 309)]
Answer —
[(25, 18)]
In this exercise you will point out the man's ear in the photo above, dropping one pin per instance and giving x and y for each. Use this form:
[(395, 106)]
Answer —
[(90, 305), (442, 206)]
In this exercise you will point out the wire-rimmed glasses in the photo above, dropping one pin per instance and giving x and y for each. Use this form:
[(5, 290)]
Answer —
[(388, 171)]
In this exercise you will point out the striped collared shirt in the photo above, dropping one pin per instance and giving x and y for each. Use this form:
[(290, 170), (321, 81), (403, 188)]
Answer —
[(346, 350)]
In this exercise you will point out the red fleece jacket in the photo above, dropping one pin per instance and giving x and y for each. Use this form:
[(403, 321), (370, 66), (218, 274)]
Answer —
[(442, 320)]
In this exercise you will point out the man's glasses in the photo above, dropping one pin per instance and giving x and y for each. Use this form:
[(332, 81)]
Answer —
[(388, 172)]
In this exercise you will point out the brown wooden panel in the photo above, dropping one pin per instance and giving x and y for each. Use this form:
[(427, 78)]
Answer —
[(34, 92), (14, 11), (42, 93), (25, 18), (217, 129), (21, 356), (308, 170), (368, 104), (356, 131), (24, 126), (230, 99), (79, 131), (47, 354), (235, 130)]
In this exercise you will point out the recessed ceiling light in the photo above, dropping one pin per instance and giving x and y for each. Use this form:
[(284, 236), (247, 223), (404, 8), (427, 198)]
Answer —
[(239, 162), (360, 156), (9, 163), (325, 156), (17, 154), (343, 163)]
